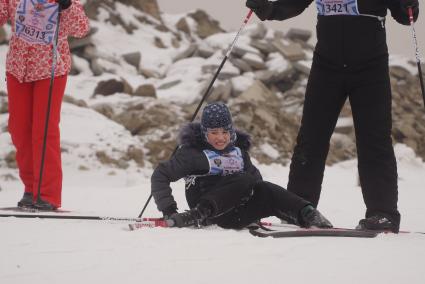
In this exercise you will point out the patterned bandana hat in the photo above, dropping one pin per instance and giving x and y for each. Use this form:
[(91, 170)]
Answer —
[(217, 115)]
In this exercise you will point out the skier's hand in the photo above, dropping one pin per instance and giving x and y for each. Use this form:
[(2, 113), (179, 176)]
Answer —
[(406, 4), (262, 8), (167, 212), (64, 4)]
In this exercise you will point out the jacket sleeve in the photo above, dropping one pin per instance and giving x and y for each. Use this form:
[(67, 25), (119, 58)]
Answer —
[(250, 168), (398, 13), (285, 9), (186, 161), (74, 21), (4, 11)]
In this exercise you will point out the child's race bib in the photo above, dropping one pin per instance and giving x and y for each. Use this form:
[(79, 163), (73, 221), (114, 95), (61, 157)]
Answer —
[(36, 21), (337, 7), (225, 164)]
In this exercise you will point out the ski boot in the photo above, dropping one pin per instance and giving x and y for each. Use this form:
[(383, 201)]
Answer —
[(311, 217), (378, 223), (42, 205), (193, 217), (26, 200)]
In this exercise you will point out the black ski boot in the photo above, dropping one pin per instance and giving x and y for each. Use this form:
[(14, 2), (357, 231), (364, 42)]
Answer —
[(44, 205), (378, 223), (26, 200), (193, 217), (311, 217)]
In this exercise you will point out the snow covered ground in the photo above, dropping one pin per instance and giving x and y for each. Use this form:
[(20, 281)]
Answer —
[(57, 251)]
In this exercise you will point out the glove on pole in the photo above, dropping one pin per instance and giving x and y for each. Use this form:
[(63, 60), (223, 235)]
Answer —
[(207, 92), (49, 102), (418, 60)]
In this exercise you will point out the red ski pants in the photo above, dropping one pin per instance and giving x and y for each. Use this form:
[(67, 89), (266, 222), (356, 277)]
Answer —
[(27, 118)]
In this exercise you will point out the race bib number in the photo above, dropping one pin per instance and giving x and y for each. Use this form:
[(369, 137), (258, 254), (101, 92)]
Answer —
[(225, 164), (36, 21), (337, 7)]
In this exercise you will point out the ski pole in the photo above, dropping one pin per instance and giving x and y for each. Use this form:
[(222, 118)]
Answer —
[(49, 103), (208, 91), (418, 60)]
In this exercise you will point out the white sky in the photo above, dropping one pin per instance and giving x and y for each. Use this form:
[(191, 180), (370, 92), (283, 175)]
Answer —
[(231, 14)]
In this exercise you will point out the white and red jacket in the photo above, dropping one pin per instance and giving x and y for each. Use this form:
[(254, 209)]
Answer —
[(30, 62)]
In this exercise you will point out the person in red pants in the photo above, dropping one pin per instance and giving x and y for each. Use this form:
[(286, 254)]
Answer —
[(29, 67)]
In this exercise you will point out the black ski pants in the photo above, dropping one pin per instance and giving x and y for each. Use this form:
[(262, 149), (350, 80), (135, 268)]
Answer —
[(369, 92), (265, 199)]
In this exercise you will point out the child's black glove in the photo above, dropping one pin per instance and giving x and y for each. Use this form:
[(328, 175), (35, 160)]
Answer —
[(64, 4), (167, 212), (262, 8)]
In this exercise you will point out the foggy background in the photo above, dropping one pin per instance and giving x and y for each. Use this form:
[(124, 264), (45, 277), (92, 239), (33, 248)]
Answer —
[(230, 14)]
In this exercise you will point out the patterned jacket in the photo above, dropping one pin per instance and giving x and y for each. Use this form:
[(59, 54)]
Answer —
[(30, 62)]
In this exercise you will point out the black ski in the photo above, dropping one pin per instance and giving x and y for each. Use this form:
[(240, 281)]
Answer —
[(351, 233)]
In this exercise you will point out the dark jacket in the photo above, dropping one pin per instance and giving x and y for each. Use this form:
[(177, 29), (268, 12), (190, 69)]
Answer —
[(191, 163), (345, 42)]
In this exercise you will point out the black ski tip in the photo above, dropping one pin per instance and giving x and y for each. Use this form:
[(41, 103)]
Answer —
[(348, 233)]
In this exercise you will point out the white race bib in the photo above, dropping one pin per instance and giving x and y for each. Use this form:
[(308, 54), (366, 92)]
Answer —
[(225, 164), (337, 7), (36, 21)]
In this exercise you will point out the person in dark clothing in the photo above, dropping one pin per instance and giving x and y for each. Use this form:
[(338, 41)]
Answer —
[(350, 60), (223, 187)]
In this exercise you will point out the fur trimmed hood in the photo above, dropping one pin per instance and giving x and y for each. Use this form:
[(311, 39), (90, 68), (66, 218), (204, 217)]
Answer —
[(191, 135)]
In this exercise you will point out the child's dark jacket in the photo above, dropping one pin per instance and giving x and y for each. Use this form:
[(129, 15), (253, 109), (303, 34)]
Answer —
[(191, 162)]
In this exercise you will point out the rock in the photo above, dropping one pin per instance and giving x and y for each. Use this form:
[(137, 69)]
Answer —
[(112, 86), (204, 50), (149, 73), (4, 106), (264, 46), (169, 85), (96, 68), (259, 32), (295, 33), (183, 26), (158, 43), (136, 155), (303, 66), (240, 64), (188, 52), (221, 93), (206, 26), (291, 51), (79, 43), (257, 93), (150, 7), (253, 60), (133, 59), (72, 100), (146, 90), (104, 109), (3, 36), (10, 159)]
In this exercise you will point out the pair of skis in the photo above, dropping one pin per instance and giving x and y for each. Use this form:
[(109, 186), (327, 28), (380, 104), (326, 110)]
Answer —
[(263, 229)]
